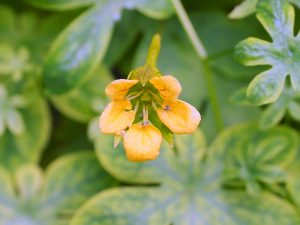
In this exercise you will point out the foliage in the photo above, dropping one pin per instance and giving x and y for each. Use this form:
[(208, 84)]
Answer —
[(241, 167)]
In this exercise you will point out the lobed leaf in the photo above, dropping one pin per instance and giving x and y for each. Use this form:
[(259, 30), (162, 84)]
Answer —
[(277, 17), (189, 193), (252, 156), (53, 198)]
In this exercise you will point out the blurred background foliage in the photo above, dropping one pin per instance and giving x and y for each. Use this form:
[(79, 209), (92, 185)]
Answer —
[(56, 57)]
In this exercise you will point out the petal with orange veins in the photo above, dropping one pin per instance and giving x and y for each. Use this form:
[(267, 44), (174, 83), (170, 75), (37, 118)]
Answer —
[(142, 142), (168, 86), (116, 116), (180, 117), (117, 89)]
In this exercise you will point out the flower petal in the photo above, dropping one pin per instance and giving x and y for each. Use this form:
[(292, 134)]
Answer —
[(179, 116), (117, 89), (142, 142), (116, 116), (168, 86)]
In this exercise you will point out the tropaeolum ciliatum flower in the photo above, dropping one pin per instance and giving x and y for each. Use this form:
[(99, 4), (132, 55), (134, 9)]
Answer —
[(145, 108)]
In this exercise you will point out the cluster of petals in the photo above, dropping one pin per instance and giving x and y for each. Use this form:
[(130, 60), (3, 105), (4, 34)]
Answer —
[(142, 139)]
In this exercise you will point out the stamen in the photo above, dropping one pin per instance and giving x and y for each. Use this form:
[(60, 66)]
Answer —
[(136, 107), (145, 115), (167, 108), (133, 95), (154, 106)]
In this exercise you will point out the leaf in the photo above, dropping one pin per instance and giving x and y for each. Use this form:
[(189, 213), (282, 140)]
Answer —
[(78, 104), (277, 17), (158, 9), (294, 110), (189, 193), (76, 52), (244, 9), (27, 147), (61, 4), (252, 156), (293, 184), (272, 115), (53, 197), (247, 7)]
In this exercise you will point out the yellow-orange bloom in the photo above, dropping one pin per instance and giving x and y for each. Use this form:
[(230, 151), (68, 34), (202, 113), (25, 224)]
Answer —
[(117, 89), (168, 86), (116, 117), (128, 116), (180, 117), (142, 142)]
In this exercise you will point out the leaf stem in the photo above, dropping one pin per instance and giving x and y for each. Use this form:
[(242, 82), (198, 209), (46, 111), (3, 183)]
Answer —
[(202, 54)]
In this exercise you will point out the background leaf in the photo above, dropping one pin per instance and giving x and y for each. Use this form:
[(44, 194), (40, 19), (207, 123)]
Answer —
[(76, 52), (53, 199), (189, 193)]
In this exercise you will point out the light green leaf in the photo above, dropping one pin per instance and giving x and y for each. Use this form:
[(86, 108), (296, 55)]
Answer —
[(294, 110), (52, 198), (29, 180), (158, 9), (61, 4), (265, 87), (277, 17), (15, 122), (77, 51), (27, 146), (246, 8), (78, 104), (253, 156), (272, 115), (293, 184), (189, 192)]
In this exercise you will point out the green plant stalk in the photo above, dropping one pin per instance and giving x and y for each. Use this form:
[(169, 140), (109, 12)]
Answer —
[(201, 52)]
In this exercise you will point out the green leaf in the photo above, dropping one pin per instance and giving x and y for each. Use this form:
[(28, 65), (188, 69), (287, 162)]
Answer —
[(277, 17), (253, 156), (53, 197), (189, 193), (77, 51), (7, 20), (61, 4), (27, 147), (82, 102)]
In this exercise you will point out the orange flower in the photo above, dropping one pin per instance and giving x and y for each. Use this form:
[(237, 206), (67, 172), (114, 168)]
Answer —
[(142, 142), (178, 116), (146, 92)]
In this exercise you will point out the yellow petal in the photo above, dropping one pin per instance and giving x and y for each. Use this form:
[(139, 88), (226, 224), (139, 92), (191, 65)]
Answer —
[(116, 116), (117, 89), (142, 143), (179, 116), (168, 86)]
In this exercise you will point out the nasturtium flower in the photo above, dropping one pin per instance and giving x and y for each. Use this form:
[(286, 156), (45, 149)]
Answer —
[(145, 108)]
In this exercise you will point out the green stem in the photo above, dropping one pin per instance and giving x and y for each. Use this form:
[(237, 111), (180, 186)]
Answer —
[(202, 54)]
